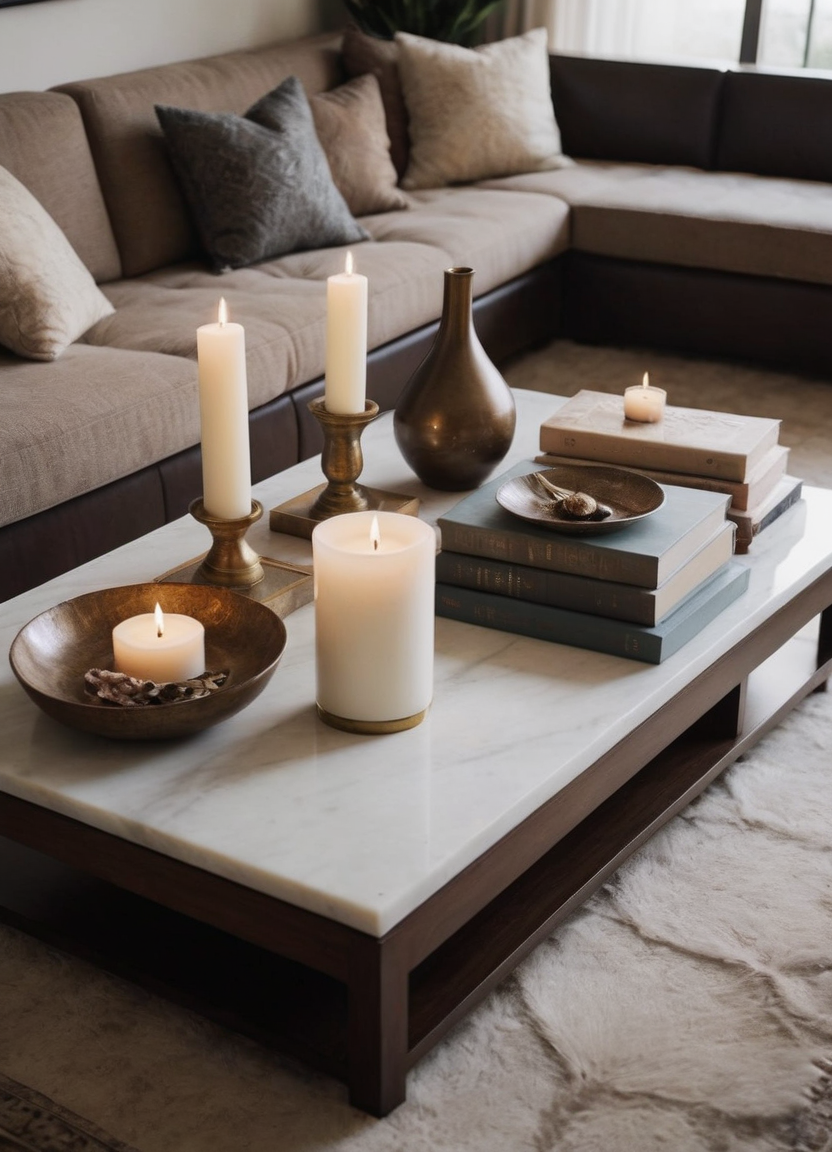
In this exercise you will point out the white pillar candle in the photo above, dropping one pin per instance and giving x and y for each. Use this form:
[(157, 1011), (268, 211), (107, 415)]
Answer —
[(223, 408), (163, 647), (644, 402), (374, 615), (346, 341)]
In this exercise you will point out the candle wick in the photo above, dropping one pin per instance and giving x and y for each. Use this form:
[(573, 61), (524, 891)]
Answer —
[(375, 545), (159, 632)]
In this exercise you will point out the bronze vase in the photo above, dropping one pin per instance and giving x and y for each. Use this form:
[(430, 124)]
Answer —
[(455, 418)]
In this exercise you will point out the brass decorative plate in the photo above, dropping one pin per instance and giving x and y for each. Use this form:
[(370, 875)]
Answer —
[(629, 496), (51, 654)]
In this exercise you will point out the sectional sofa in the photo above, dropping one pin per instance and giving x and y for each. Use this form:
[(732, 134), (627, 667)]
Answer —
[(695, 214)]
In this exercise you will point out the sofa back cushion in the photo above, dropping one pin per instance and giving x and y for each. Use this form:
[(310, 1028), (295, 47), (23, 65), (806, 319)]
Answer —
[(43, 145), (774, 126), (150, 218), (642, 113)]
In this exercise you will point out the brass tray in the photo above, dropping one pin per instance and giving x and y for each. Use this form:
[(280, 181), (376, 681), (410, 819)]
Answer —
[(51, 654), (630, 495)]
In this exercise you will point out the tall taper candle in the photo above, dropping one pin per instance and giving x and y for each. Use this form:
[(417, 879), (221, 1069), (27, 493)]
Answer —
[(223, 407), (346, 341)]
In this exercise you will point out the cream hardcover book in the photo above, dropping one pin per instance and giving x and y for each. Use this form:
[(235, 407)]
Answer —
[(591, 426)]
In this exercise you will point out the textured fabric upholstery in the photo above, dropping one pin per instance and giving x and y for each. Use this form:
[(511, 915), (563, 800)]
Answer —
[(43, 144), (725, 221), (93, 416), (149, 216), (48, 297)]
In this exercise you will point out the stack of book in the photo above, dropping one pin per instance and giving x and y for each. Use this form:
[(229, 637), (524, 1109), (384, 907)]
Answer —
[(691, 447), (641, 592)]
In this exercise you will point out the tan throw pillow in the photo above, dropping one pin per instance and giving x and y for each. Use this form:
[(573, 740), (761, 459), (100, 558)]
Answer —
[(352, 129), (477, 113), (362, 54), (47, 296)]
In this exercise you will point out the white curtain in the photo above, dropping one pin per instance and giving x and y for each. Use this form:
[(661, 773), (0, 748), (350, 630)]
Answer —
[(594, 27)]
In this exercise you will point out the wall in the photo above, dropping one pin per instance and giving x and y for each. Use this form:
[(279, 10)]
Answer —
[(59, 40)]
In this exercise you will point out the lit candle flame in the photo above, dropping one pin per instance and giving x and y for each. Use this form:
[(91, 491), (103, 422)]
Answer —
[(375, 534), (222, 312), (646, 381), (348, 263), (159, 617)]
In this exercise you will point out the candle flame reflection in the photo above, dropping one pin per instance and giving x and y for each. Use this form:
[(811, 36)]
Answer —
[(375, 534), (646, 381), (159, 617), (222, 311), (348, 263)]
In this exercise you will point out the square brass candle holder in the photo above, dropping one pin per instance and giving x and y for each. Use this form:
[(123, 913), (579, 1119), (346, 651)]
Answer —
[(342, 462), (232, 563)]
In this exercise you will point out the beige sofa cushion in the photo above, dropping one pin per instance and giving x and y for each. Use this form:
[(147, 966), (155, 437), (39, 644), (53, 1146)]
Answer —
[(731, 222), (93, 416), (48, 298), (43, 144), (499, 234), (282, 303), (149, 216), (477, 112)]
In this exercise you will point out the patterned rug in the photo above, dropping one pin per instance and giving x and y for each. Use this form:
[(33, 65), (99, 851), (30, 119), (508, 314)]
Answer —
[(30, 1122), (687, 1007)]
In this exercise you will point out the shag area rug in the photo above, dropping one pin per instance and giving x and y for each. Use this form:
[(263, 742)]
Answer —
[(687, 1007)]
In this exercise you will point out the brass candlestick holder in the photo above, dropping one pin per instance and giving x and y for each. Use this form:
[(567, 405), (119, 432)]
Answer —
[(342, 462), (232, 563)]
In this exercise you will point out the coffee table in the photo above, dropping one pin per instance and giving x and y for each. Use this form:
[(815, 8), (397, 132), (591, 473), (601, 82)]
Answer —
[(349, 898)]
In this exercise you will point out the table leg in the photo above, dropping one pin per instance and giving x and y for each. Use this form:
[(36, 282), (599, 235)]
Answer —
[(824, 643), (377, 1026)]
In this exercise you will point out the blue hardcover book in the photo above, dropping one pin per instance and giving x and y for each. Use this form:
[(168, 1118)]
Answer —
[(645, 553), (585, 630)]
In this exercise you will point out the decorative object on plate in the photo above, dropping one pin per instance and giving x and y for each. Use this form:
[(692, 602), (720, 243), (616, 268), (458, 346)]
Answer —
[(625, 497), (52, 654), (455, 419), (128, 692)]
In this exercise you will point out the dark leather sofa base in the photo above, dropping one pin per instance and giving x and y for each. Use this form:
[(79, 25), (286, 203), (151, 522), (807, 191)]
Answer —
[(512, 318), (763, 320)]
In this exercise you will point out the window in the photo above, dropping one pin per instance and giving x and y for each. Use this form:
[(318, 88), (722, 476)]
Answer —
[(777, 33)]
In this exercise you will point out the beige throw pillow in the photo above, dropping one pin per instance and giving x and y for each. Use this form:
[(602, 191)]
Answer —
[(477, 113), (47, 296), (352, 129), (363, 54)]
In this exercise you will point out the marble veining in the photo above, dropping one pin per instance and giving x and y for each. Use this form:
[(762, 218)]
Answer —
[(363, 829)]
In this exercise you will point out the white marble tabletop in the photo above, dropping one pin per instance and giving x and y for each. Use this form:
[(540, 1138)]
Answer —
[(363, 829)]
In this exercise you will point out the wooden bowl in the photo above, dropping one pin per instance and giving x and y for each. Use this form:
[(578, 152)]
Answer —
[(51, 654)]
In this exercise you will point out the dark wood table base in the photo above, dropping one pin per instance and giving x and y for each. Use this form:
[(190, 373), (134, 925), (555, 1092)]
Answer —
[(365, 1009)]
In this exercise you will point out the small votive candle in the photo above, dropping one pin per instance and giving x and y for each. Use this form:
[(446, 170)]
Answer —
[(165, 648), (644, 403), (374, 575)]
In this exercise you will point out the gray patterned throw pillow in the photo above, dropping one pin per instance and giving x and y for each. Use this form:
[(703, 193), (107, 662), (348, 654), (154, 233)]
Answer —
[(256, 192)]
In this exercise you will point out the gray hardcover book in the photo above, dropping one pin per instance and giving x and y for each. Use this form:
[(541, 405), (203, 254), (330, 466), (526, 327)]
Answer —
[(583, 630), (582, 593), (644, 553)]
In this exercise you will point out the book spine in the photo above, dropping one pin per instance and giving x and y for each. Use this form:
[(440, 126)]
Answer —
[(578, 593), (555, 553), (657, 454), (543, 622)]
